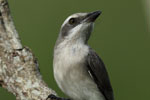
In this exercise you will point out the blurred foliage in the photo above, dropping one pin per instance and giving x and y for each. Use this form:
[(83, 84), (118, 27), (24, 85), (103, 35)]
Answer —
[(120, 37)]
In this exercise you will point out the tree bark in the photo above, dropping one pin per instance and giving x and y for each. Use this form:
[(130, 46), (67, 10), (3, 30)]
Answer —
[(19, 72)]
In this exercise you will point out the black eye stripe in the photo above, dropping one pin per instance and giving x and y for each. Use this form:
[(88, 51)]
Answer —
[(69, 25), (75, 20), (72, 20)]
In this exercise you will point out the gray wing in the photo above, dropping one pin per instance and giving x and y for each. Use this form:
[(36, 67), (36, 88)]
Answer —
[(99, 74)]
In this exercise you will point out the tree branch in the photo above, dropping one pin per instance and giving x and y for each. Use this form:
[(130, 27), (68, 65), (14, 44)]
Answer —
[(19, 72)]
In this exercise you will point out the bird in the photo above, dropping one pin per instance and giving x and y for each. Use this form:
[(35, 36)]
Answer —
[(78, 70)]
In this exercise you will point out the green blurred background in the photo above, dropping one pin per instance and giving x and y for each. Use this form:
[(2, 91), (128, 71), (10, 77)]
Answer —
[(120, 37)]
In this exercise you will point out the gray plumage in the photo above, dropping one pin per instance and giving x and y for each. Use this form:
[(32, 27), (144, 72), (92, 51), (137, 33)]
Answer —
[(78, 70), (99, 74)]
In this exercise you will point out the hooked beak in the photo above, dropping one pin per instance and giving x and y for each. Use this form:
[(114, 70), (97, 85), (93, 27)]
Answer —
[(91, 17)]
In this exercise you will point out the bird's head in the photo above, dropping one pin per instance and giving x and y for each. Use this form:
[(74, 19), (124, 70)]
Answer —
[(78, 27)]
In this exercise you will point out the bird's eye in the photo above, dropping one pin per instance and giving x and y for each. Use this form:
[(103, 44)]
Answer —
[(72, 21)]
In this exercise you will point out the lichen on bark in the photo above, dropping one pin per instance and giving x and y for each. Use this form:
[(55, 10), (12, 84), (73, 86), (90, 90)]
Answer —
[(19, 72)]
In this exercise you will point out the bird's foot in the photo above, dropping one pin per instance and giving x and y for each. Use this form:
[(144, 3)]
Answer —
[(53, 97)]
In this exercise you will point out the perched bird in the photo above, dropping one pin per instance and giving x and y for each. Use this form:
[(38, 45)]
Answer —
[(78, 70)]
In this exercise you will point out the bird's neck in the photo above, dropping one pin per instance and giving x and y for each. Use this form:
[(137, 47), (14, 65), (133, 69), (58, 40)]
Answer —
[(72, 47)]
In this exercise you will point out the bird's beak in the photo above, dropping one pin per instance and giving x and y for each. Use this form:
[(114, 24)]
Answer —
[(91, 17)]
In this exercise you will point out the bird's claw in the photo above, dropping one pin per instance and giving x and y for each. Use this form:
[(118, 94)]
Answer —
[(53, 97)]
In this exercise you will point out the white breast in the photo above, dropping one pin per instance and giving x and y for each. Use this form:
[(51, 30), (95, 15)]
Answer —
[(66, 57), (71, 75)]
